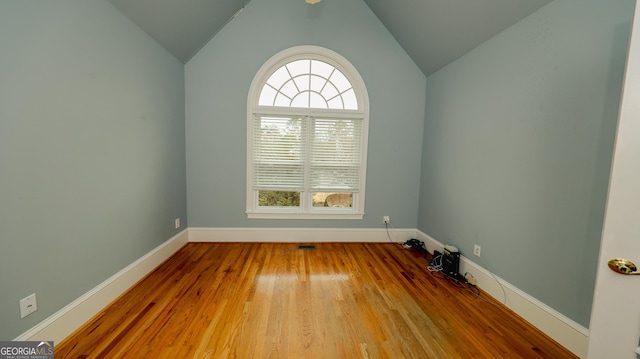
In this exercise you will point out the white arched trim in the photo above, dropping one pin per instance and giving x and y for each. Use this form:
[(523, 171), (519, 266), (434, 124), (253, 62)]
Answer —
[(305, 118)]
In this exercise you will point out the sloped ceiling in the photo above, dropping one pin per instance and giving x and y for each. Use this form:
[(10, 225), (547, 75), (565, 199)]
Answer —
[(436, 32), (181, 26), (433, 32)]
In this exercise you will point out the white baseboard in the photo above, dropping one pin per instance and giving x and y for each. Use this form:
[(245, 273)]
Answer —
[(58, 326), (68, 319), (300, 235), (563, 330)]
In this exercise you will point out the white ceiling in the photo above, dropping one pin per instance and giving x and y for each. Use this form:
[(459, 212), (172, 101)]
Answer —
[(432, 32)]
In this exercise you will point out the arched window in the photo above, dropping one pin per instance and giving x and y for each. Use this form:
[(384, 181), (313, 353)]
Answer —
[(307, 131)]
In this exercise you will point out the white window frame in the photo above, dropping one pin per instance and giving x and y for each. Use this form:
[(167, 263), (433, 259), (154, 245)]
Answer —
[(306, 209)]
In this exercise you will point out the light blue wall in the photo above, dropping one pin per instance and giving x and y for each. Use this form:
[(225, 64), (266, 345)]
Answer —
[(92, 162), (217, 85), (517, 140), (517, 146)]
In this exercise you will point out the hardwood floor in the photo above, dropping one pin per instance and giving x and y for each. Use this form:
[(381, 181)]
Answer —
[(273, 300)]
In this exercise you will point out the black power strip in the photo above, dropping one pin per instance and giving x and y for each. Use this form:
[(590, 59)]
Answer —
[(417, 246)]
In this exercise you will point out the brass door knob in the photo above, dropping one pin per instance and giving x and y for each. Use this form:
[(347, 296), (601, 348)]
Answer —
[(623, 266)]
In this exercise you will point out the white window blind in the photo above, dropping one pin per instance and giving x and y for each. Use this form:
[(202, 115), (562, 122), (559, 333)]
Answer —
[(335, 154), (333, 147), (279, 153)]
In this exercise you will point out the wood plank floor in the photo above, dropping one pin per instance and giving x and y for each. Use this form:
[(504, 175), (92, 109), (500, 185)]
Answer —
[(273, 300)]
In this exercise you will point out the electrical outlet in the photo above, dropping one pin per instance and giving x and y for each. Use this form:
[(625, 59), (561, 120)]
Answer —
[(28, 305), (476, 250), (386, 220), (177, 223)]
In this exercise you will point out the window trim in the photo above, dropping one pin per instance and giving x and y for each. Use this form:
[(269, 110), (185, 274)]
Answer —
[(263, 74)]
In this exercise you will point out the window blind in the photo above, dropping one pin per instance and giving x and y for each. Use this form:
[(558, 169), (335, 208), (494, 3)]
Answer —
[(335, 154), (330, 148), (279, 153)]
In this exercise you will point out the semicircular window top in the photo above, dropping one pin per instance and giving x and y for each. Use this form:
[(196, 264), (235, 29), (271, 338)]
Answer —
[(308, 84), (307, 129)]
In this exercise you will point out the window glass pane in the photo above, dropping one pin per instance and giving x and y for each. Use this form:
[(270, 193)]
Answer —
[(317, 101), (321, 68), (282, 100), (329, 91), (336, 103), (317, 83), (350, 100), (298, 67), (301, 100), (267, 96), (340, 81), (332, 199), (278, 78), (287, 83), (302, 82), (278, 199), (289, 89)]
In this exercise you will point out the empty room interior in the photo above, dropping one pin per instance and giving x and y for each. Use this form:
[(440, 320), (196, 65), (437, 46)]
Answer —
[(130, 131)]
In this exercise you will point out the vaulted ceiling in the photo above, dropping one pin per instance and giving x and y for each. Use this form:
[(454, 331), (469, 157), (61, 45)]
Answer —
[(433, 32)]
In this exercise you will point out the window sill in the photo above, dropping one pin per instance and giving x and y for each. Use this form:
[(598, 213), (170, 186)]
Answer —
[(301, 215)]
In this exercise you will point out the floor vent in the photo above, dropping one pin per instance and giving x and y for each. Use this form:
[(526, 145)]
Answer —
[(306, 246)]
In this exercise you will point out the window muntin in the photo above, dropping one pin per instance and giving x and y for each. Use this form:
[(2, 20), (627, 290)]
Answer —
[(308, 123), (308, 84)]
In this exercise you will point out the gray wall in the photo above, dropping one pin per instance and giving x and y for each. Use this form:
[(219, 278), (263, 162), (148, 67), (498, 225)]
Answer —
[(517, 140), (92, 163), (217, 85), (517, 146)]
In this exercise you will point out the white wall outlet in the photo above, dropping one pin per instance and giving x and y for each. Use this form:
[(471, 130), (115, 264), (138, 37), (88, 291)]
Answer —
[(177, 222), (386, 219), (476, 250), (28, 305)]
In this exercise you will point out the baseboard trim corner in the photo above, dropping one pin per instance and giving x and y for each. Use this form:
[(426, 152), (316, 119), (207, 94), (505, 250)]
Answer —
[(75, 314), (560, 328)]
